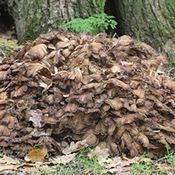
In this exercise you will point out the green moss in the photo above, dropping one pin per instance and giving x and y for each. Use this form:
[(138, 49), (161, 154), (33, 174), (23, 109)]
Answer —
[(39, 2), (171, 2), (98, 5), (36, 23), (33, 30), (6, 47), (137, 4), (147, 166), (168, 12), (92, 7), (37, 18)]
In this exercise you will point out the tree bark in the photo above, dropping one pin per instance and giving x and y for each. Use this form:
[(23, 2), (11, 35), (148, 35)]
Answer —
[(33, 17), (152, 21)]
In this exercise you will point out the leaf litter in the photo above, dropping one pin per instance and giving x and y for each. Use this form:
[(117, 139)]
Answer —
[(65, 92)]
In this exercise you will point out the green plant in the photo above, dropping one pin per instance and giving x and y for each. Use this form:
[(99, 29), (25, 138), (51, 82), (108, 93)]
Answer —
[(93, 25), (81, 164), (162, 166), (142, 166), (43, 171), (90, 165), (171, 58), (170, 158), (98, 4)]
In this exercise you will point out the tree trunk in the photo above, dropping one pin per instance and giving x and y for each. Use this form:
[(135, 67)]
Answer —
[(152, 21), (33, 17)]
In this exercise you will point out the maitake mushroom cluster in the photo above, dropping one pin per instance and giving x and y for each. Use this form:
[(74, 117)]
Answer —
[(64, 88)]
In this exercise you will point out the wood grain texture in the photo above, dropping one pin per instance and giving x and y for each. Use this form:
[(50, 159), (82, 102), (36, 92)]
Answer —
[(33, 17), (148, 20)]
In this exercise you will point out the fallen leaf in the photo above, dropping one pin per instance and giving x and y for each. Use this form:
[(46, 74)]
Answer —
[(35, 118), (36, 155), (101, 152), (120, 166), (8, 167), (63, 159), (75, 147), (8, 160), (8, 163)]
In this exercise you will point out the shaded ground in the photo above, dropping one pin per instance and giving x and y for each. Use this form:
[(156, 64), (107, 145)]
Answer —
[(81, 164)]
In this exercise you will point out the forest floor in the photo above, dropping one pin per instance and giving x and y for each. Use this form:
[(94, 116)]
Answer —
[(82, 162)]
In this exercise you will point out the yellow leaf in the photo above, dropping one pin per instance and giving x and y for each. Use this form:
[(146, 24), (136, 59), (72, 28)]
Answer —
[(36, 155)]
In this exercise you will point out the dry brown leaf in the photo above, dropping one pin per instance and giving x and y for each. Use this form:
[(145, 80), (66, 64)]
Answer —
[(120, 166), (8, 167), (75, 147), (36, 155), (63, 159), (8, 163), (36, 118), (101, 152)]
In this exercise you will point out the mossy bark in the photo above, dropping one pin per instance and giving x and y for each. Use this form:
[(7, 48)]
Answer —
[(152, 21), (33, 17)]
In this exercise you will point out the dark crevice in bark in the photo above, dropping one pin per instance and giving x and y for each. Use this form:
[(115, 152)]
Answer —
[(67, 9), (79, 9), (112, 8), (6, 20)]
